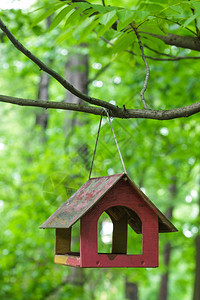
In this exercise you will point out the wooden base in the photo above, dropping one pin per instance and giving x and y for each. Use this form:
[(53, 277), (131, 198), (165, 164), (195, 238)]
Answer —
[(72, 259), (107, 260)]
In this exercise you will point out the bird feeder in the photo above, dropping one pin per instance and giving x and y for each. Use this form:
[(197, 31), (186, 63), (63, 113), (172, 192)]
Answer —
[(126, 204)]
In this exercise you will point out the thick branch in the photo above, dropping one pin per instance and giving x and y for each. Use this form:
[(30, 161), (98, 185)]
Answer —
[(172, 57), (188, 42), (55, 75), (120, 113)]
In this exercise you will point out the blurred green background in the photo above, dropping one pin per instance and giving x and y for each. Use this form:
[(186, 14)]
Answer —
[(45, 157)]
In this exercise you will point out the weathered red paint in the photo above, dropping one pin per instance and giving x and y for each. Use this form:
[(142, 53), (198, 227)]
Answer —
[(126, 204), (122, 195)]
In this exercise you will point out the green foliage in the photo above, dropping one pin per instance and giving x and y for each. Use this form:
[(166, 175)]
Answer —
[(80, 19), (38, 174)]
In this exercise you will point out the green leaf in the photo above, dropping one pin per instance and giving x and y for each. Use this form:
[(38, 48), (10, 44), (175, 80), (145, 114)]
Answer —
[(107, 21), (62, 37), (106, 18), (125, 15), (83, 5), (152, 26), (196, 6), (125, 18), (99, 8), (124, 41), (189, 20), (48, 6), (47, 13), (60, 16), (177, 9), (163, 25), (153, 43), (142, 14), (74, 16), (152, 7), (89, 11), (89, 29)]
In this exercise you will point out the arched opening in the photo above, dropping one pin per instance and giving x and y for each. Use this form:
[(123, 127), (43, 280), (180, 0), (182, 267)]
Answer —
[(120, 231), (134, 242), (75, 238), (105, 231)]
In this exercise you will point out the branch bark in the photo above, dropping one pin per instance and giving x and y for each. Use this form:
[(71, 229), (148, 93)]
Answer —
[(189, 42), (172, 57), (55, 75), (121, 113), (114, 111)]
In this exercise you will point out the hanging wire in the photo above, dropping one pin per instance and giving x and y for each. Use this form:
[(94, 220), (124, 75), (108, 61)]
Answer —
[(107, 112), (95, 148)]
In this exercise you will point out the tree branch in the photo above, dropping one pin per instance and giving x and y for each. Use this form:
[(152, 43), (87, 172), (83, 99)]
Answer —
[(146, 65), (175, 113), (195, 21), (172, 58), (189, 42), (114, 111), (176, 58), (55, 75)]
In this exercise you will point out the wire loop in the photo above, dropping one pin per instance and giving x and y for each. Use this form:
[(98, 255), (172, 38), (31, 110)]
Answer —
[(120, 155)]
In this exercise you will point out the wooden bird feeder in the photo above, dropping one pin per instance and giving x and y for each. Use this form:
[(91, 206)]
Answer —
[(126, 204)]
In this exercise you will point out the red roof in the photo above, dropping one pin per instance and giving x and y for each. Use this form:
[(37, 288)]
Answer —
[(89, 194)]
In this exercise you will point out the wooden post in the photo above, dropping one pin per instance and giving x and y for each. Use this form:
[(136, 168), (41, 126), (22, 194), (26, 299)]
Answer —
[(119, 242), (63, 240)]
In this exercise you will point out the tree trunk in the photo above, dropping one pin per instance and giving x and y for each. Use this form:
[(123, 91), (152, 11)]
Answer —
[(131, 290), (196, 292), (77, 74), (165, 277), (42, 117), (163, 293), (196, 295)]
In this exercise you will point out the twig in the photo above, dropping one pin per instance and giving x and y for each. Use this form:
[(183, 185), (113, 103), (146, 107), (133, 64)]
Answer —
[(177, 23), (55, 75), (146, 65), (175, 58), (172, 57), (175, 113), (195, 21), (103, 2), (159, 53), (196, 26)]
